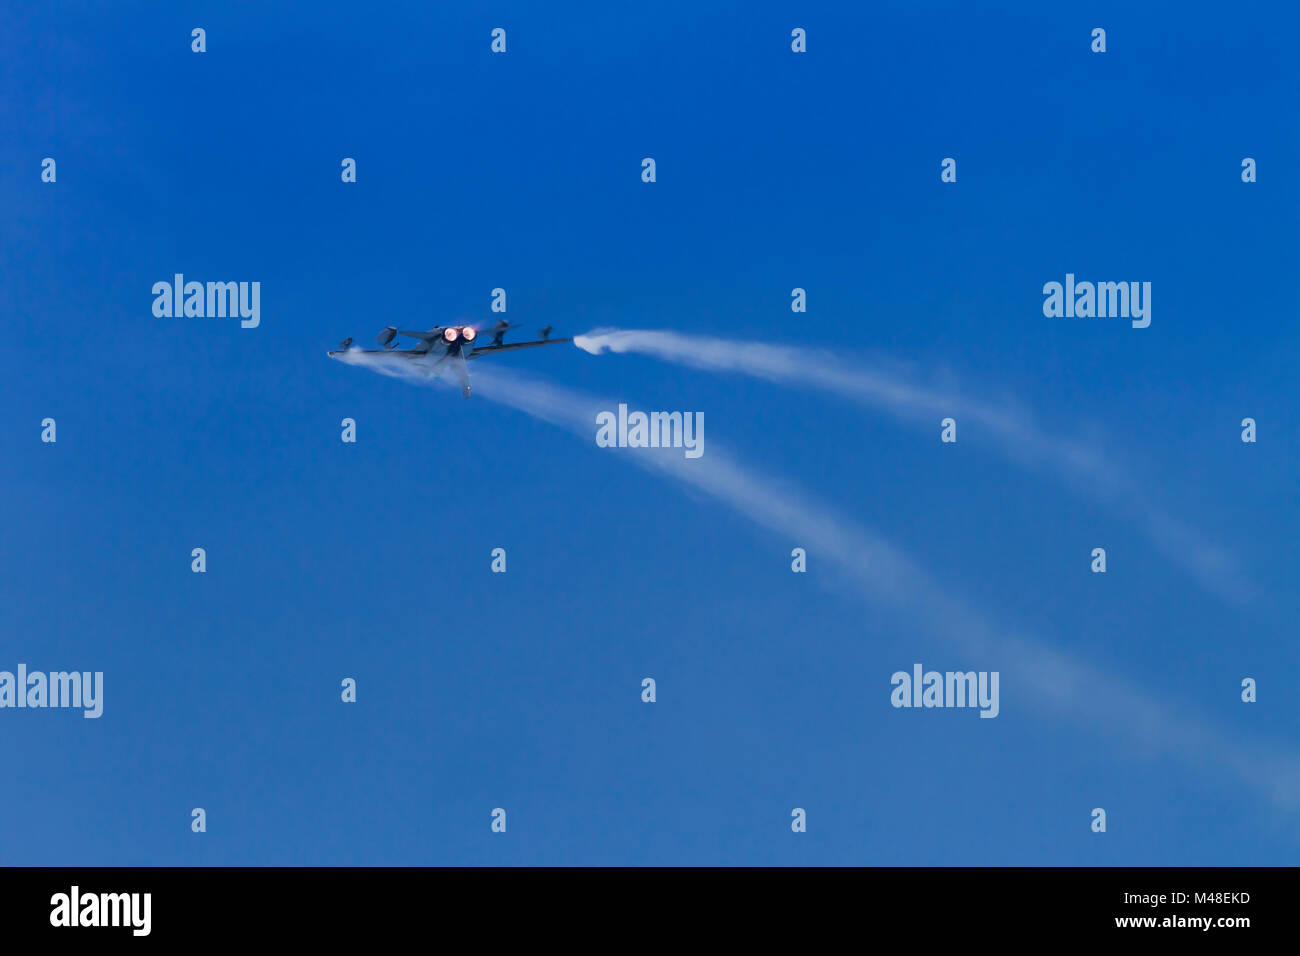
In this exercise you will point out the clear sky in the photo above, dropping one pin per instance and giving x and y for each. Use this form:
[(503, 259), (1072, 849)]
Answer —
[(522, 690)]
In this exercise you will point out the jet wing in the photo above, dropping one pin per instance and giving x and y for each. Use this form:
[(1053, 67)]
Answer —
[(511, 346)]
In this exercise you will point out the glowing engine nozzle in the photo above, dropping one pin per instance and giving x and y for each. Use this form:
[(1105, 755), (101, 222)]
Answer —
[(450, 334), (469, 333)]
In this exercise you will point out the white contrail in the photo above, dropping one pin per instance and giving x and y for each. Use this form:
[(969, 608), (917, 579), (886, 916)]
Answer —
[(391, 364), (1080, 464), (885, 574)]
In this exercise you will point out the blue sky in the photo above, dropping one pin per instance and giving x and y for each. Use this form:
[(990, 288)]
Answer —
[(775, 170)]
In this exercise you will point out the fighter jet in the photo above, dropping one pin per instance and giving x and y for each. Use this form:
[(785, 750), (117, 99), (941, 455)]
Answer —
[(449, 346)]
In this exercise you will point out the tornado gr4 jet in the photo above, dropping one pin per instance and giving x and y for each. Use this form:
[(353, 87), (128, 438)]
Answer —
[(448, 347)]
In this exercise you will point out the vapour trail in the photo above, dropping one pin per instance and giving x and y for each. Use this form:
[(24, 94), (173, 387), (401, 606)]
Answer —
[(884, 574), (386, 363), (1080, 464)]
